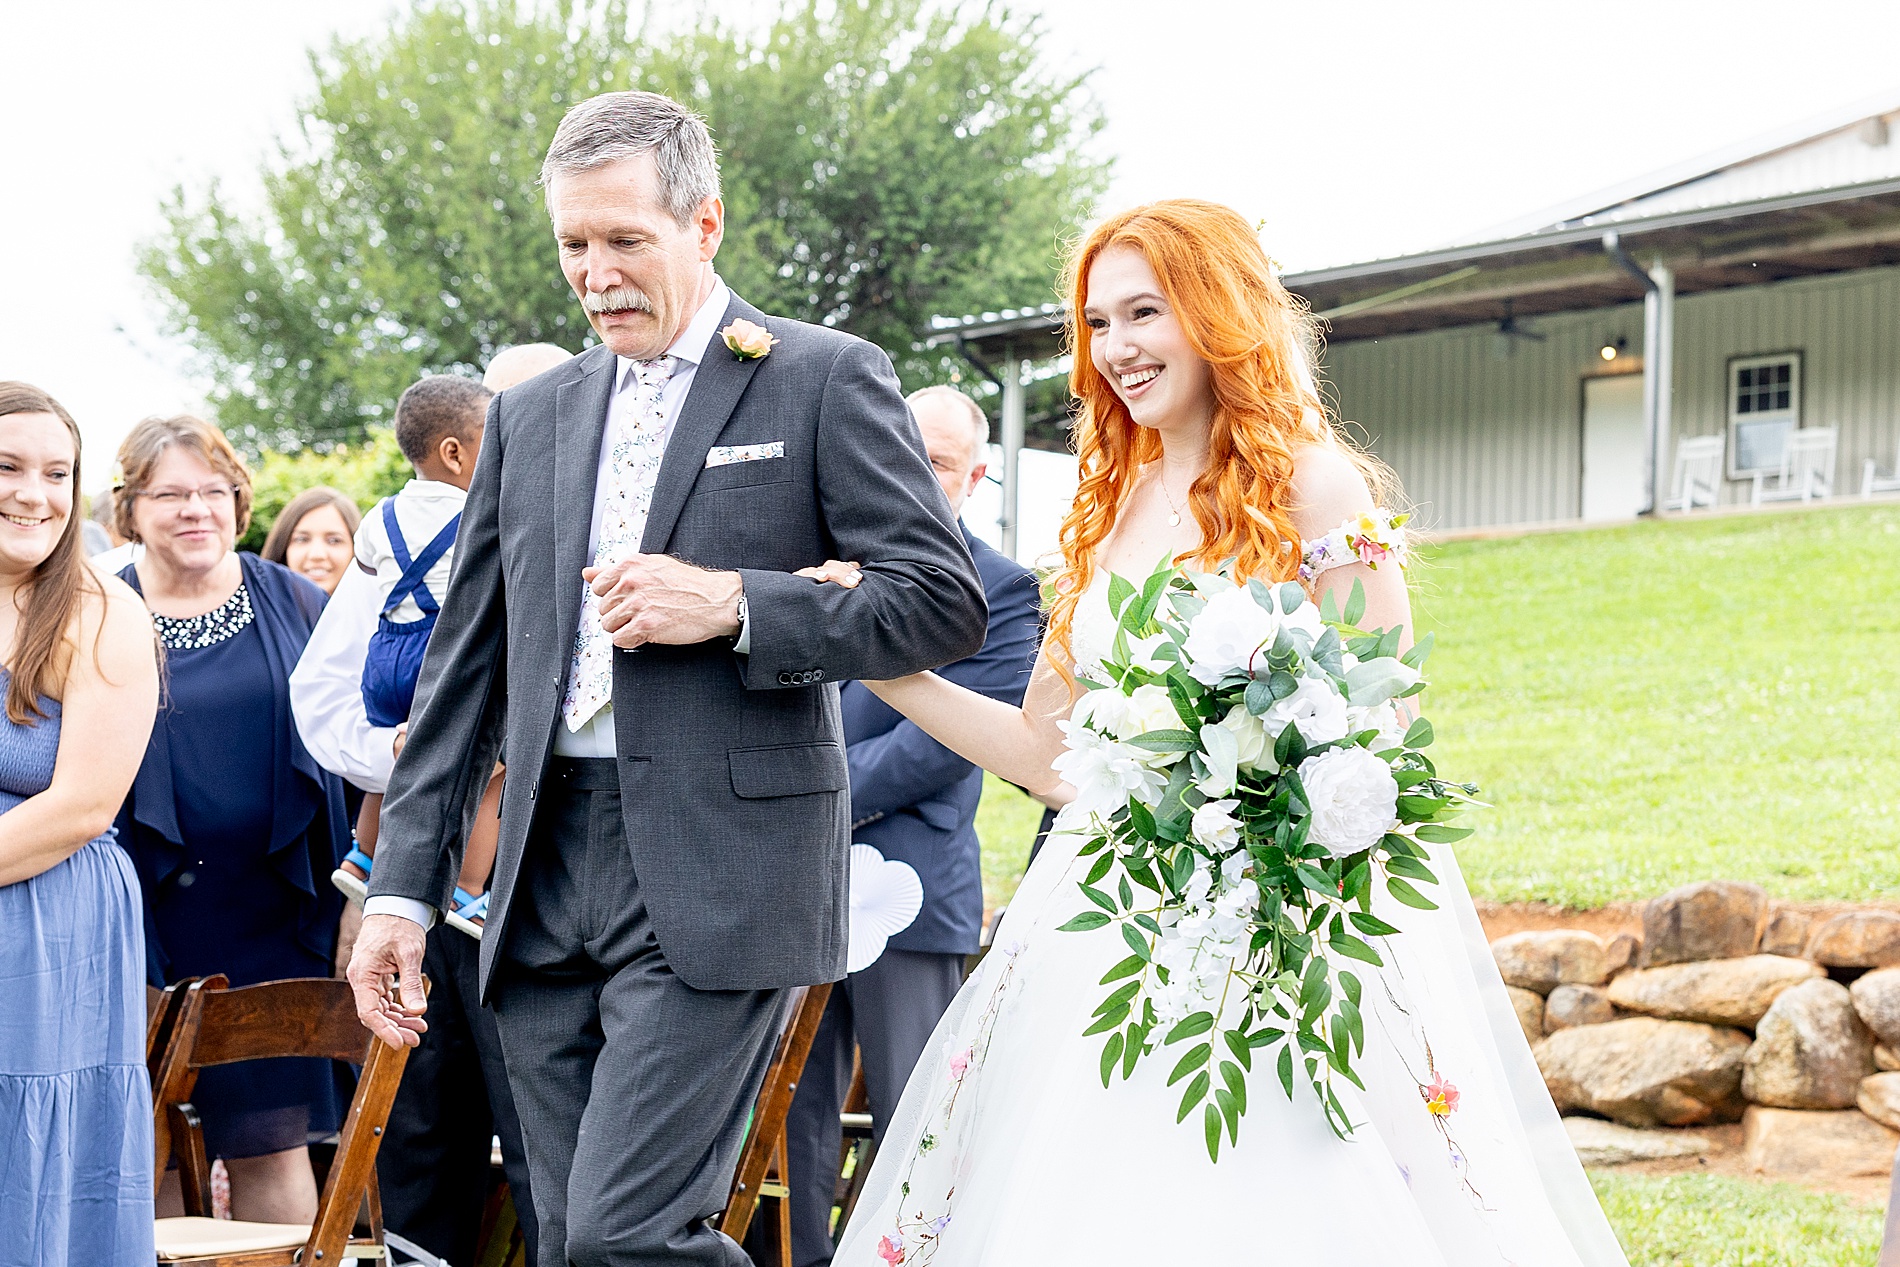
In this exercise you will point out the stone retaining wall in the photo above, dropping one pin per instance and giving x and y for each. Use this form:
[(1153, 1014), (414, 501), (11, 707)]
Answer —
[(1727, 1007)]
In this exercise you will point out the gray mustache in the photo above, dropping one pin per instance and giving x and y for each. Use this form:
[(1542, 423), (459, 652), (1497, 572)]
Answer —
[(618, 299)]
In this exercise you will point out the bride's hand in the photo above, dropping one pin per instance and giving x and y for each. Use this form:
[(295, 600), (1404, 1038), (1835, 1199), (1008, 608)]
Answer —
[(845, 574)]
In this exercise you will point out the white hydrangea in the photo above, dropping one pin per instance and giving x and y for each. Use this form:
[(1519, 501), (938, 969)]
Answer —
[(1353, 797)]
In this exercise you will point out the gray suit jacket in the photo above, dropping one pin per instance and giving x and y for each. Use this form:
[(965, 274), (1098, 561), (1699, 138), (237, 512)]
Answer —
[(732, 768)]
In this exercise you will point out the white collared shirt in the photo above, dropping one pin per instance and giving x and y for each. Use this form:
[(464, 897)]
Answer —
[(596, 737)]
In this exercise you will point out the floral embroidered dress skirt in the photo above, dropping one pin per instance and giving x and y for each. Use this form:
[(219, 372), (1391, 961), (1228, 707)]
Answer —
[(75, 1104), (1006, 1150)]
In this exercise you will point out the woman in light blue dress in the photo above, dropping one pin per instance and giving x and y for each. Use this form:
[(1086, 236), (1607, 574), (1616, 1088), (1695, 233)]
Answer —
[(79, 677)]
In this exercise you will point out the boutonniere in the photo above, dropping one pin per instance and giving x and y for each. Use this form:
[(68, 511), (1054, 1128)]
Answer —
[(748, 340)]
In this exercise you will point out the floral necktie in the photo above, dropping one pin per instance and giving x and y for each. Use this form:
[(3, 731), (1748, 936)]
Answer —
[(639, 444)]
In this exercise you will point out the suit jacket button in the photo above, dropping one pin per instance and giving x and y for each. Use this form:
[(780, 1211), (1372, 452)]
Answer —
[(785, 679), (817, 675)]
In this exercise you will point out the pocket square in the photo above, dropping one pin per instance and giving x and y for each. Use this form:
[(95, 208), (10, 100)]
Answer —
[(727, 454)]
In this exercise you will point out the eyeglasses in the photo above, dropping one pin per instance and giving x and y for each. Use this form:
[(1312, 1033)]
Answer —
[(214, 496)]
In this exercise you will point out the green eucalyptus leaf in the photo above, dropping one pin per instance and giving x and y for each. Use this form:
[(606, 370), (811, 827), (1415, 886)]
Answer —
[(1356, 603), (1126, 968), (1098, 897), (1188, 1027), (1195, 1057), (1369, 924), (1087, 921), (1419, 734), (1120, 590), (1409, 895), (1113, 1020), (1195, 1093), (1111, 1053), (1440, 834)]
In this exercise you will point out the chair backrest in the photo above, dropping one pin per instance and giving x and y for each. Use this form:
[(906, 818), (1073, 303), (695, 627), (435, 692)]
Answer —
[(774, 1102), (1698, 470), (1810, 449), (303, 1017), (162, 1008)]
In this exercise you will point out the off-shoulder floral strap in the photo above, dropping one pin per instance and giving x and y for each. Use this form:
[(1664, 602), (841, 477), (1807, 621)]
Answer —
[(1373, 538)]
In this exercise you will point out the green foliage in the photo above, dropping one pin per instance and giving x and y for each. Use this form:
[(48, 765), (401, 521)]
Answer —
[(367, 472), (883, 161), (1701, 1220), (1670, 702)]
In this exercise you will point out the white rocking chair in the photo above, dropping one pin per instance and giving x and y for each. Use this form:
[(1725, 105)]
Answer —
[(1874, 480), (1698, 473), (1806, 470)]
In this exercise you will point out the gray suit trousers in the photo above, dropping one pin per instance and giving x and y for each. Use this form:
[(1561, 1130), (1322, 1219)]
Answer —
[(633, 1087)]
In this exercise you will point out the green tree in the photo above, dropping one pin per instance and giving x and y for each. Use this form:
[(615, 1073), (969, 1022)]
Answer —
[(883, 161), (365, 473)]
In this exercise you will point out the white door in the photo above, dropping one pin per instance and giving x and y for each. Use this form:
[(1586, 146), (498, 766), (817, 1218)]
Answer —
[(1615, 483)]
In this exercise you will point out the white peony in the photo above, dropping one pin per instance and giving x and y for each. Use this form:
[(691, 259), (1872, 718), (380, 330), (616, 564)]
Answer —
[(1316, 708), (1353, 797), (1215, 826), (1226, 635), (1256, 747)]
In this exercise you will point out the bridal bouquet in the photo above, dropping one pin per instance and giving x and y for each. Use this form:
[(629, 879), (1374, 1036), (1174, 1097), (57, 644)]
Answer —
[(1248, 778)]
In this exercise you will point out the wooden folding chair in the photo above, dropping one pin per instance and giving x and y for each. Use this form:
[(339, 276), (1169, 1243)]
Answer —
[(762, 1173), (305, 1017), (161, 1022), (859, 1148)]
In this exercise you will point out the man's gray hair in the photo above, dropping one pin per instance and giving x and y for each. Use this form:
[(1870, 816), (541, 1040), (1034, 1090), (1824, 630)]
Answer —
[(617, 125), (979, 421)]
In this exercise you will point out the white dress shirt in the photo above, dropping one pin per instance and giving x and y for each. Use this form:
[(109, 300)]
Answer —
[(326, 687), (596, 737), (423, 508)]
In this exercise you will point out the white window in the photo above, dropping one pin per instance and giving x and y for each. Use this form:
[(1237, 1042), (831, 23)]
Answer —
[(1764, 405)]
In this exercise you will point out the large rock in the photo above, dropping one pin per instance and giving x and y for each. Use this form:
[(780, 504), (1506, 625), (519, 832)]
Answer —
[(1857, 939), (1600, 1143), (1542, 960), (1529, 1006), (1879, 1098), (1810, 1050), (1886, 1059), (1811, 1146), (1644, 1072), (1877, 1002), (1715, 991), (1787, 931), (1622, 953), (1717, 919), (1572, 1005)]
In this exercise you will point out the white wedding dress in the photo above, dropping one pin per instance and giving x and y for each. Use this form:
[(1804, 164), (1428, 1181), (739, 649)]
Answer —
[(1006, 1151)]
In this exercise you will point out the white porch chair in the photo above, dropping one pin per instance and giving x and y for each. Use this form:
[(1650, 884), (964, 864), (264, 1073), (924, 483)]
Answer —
[(1698, 473), (1806, 471), (1874, 480)]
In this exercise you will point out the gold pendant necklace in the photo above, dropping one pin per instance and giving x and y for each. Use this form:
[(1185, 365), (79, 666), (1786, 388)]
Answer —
[(1174, 516)]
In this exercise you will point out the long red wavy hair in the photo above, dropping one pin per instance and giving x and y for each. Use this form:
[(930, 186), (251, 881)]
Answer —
[(1257, 339)]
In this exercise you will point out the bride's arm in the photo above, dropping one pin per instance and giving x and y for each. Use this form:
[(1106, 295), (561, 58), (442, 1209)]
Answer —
[(1327, 491), (1017, 744)]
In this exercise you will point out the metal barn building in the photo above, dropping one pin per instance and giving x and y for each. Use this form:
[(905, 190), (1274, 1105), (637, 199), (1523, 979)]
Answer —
[(1549, 370)]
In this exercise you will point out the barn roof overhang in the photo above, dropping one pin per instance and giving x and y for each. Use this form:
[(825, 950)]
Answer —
[(1563, 269)]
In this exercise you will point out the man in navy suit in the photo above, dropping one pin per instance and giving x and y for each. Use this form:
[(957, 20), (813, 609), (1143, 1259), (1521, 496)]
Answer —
[(914, 800)]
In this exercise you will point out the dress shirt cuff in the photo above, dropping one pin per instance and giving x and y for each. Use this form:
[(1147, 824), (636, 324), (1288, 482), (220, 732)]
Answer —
[(407, 907), (742, 645)]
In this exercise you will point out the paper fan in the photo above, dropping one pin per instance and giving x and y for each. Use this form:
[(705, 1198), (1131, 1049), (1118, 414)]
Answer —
[(885, 897)]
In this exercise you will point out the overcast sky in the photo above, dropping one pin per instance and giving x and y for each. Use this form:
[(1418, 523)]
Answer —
[(1355, 130)]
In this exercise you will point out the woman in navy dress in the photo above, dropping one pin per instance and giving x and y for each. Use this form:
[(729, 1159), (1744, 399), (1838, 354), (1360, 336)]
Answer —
[(80, 683), (234, 827)]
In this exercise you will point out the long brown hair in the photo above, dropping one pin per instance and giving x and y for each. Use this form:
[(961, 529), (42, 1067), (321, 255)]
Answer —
[(277, 543), (50, 600), (1257, 339)]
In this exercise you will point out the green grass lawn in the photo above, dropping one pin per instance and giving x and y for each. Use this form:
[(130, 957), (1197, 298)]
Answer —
[(1655, 704), (1668, 702), (1695, 1220)]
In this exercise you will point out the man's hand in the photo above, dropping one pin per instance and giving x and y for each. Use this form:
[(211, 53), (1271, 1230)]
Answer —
[(389, 946), (657, 598)]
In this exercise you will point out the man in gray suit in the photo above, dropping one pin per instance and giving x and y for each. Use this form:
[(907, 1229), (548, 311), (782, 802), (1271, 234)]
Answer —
[(625, 630)]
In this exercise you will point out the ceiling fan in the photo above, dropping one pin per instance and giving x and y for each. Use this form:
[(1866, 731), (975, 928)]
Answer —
[(1510, 329)]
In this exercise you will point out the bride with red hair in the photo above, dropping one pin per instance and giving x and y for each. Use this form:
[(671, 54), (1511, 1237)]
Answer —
[(1202, 439)]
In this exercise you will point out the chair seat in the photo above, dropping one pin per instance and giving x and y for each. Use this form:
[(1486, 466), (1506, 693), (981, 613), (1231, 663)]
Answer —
[(192, 1237)]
